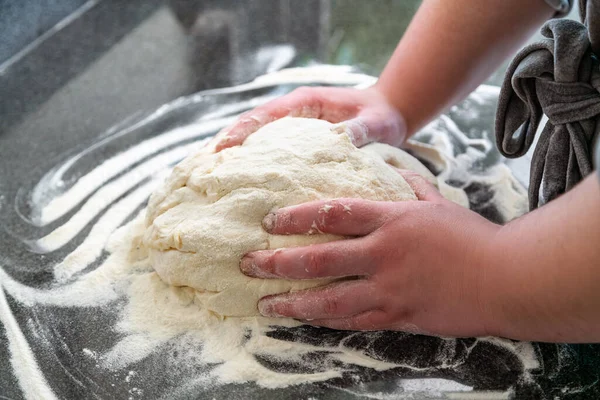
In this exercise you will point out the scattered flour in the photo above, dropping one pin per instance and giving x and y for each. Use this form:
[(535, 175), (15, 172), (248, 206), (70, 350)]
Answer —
[(22, 358), (156, 314)]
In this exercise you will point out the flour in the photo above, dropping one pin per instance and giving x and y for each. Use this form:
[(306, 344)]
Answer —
[(22, 358), (157, 312), (154, 316), (106, 196), (87, 184)]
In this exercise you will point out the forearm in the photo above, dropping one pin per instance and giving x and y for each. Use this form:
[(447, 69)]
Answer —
[(451, 47), (544, 278)]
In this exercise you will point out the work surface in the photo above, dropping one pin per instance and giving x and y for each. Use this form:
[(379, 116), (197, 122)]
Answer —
[(86, 95)]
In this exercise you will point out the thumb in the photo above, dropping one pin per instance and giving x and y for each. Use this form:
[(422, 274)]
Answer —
[(374, 125), (423, 189)]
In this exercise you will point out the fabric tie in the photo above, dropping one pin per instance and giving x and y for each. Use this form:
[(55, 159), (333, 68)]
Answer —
[(558, 77)]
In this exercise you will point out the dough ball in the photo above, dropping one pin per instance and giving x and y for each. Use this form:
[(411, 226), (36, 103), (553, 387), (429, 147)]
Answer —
[(208, 213)]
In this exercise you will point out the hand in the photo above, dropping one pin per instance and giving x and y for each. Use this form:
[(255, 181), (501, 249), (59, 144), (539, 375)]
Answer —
[(367, 114), (413, 266)]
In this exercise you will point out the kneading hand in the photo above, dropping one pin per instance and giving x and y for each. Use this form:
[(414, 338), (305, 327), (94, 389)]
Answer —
[(415, 266), (365, 115)]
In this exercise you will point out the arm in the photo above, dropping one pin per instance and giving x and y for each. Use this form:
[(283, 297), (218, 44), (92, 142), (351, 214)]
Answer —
[(545, 272), (449, 48)]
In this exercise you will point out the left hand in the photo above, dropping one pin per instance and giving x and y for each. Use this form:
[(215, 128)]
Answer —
[(415, 266), (365, 115)]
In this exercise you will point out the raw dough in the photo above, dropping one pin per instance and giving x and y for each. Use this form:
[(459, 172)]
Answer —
[(208, 213)]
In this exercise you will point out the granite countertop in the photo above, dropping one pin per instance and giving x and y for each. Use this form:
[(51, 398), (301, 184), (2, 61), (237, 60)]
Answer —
[(114, 63)]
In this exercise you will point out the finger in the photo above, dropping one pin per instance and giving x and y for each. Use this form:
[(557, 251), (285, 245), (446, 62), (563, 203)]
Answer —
[(246, 125), (330, 104), (423, 189), (342, 258), (337, 300), (374, 125), (346, 217), (371, 320)]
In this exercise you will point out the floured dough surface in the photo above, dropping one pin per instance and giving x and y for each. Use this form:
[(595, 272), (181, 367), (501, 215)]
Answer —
[(208, 213)]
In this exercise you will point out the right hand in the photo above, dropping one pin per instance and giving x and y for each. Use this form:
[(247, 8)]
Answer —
[(364, 114), (416, 266)]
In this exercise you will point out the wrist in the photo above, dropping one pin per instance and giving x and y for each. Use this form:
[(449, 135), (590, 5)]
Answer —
[(376, 94), (384, 116), (399, 100), (511, 282), (490, 259)]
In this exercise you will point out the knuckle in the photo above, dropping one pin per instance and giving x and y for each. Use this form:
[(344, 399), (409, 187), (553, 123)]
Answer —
[(333, 213), (394, 129), (408, 210), (270, 262), (374, 253), (307, 102), (284, 309), (430, 208), (423, 183), (331, 306), (403, 315), (284, 222), (389, 126), (314, 264), (249, 121), (414, 179)]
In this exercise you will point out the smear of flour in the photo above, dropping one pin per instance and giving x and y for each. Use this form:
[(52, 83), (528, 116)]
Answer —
[(110, 168), (22, 357), (93, 246), (105, 197), (156, 314)]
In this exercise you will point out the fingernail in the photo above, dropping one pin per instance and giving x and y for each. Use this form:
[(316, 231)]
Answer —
[(250, 266), (269, 222)]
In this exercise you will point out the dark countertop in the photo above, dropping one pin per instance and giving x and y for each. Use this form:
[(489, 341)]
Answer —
[(120, 59)]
